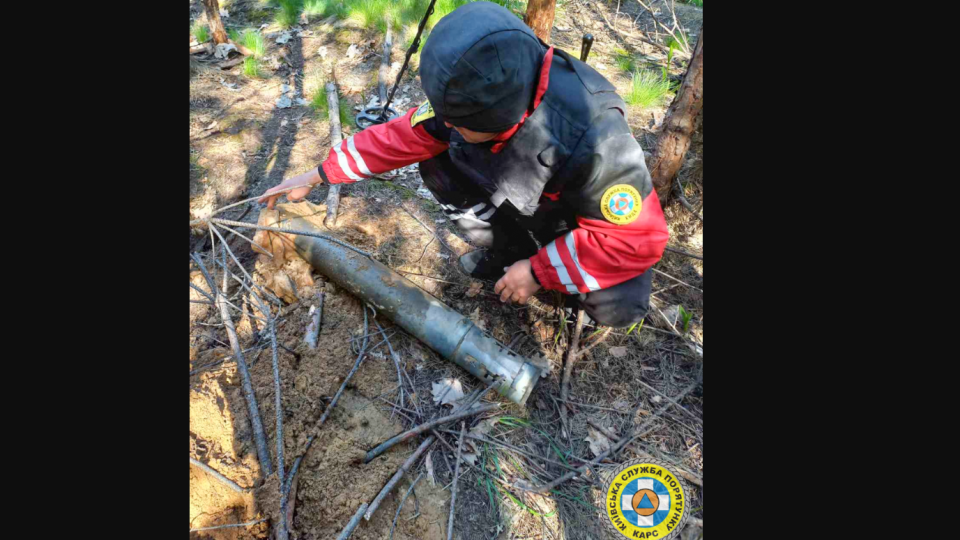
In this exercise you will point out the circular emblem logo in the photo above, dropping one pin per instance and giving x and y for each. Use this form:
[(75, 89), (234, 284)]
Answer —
[(645, 499), (621, 204)]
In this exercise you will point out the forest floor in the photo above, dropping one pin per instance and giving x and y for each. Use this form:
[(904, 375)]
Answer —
[(241, 144)]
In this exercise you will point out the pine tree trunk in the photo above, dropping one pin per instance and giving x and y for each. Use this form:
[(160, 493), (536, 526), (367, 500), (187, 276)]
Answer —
[(212, 7), (540, 17), (678, 126)]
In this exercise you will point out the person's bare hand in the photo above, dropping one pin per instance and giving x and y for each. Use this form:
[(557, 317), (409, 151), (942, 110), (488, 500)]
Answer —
[(517, 285), (271, 195)]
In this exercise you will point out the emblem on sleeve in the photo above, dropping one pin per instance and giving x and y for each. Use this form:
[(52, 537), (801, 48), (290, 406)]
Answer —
[(646, 499), (424, 112), (621, 204)]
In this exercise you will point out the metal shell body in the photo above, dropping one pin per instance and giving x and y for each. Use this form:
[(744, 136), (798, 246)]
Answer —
[(443, 329)]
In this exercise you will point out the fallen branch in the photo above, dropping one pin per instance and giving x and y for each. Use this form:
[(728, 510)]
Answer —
[(258, 197), (396, 361), (333, 195), (434, 233), (354, 521), (672, 402), (246, 274), (313, 329), (692, 345), (467, 404), (407, 435), (254, 522), (568, 369), (384, 67), (331, 405), (226, 481), (400, 507), (666, 275), (241, 235), (456, 476), (398, 475), (245, 225), (202, 48), (282, 533), (260, 440), (683, 200), (231, 63), (599, 340), (674, 250)]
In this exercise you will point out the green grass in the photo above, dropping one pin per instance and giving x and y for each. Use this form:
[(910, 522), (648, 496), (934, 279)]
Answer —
[(317, 8), (289, 13), (624, 60), (698, 3), (251, 68), (252, 40), (685, 316), (201, 32), (372, 14), (647, 89), (677, 44), (318, 102)]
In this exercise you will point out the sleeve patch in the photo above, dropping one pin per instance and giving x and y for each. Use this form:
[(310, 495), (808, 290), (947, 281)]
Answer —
[(621, 204), (424, 113)]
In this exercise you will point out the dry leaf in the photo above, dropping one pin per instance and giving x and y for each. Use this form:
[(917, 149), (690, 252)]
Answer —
[(447, 391), (474, 289), (618, 352), (477, 320), (656, 399), (598, 442), (469, 457), (483, 427), (433, 481)]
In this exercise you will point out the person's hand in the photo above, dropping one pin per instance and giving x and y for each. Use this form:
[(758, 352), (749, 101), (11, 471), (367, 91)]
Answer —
[(312, 177), (517, 285)]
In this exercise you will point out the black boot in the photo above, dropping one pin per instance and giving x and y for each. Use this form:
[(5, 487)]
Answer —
[(487, 264)]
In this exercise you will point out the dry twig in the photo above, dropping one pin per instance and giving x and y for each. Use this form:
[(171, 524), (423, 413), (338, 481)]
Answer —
[(456, 476), (400, 506), (568, 369), (226, 481), (259, 438), (254, 522), (354, 521), (384, 446), (331, 405)]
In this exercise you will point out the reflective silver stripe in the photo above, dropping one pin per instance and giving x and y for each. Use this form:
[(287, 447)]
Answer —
[(356, 157), (589, 280), (561, 268), (453, 212), (344, 165), (487, 215)]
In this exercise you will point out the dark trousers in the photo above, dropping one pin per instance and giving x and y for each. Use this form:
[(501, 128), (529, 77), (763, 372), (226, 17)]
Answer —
[(503, 230)]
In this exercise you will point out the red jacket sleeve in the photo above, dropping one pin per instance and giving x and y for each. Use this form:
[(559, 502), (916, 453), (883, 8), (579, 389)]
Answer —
[(601, 252), (380, 148)]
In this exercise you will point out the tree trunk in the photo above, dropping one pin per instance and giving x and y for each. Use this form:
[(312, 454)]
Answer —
[(212, 7), (678, 126), (540, 17)]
